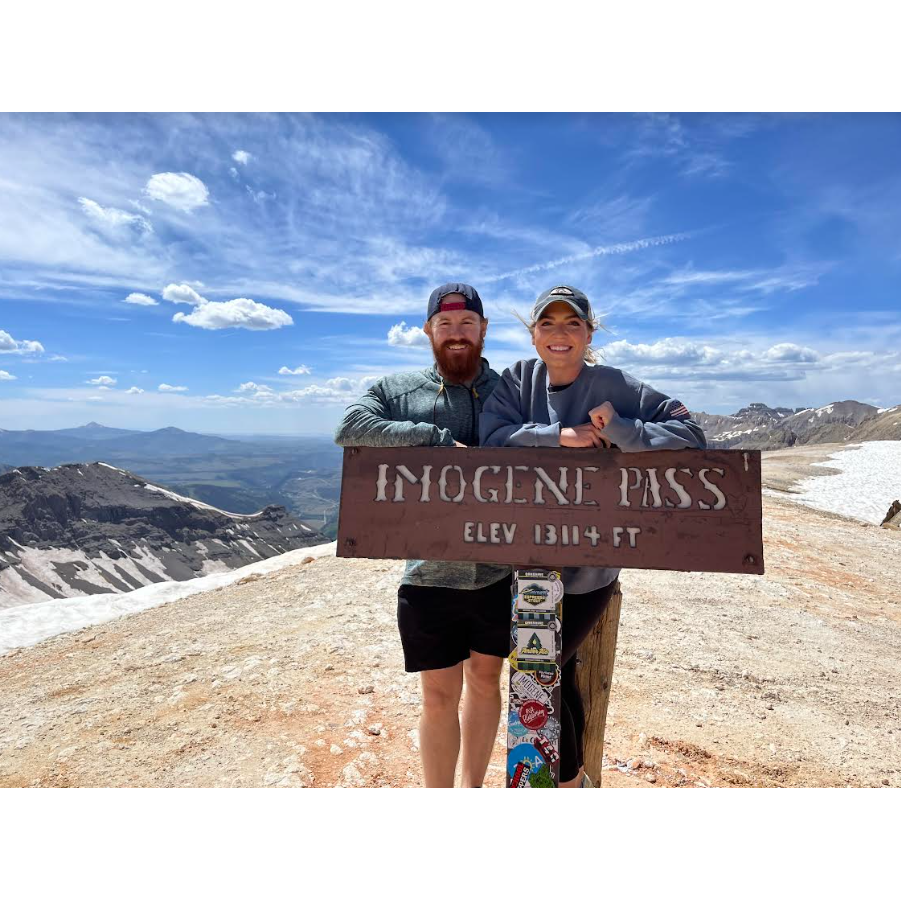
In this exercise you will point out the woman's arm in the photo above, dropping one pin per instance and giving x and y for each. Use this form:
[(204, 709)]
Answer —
[(501, 423), (663, 423)]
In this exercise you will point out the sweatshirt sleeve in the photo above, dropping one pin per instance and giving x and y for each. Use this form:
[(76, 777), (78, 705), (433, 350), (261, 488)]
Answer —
[(368, 423), (663, 423), (501, 423)]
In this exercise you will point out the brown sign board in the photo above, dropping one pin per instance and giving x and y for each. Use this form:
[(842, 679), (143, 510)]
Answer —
[(691, 510)]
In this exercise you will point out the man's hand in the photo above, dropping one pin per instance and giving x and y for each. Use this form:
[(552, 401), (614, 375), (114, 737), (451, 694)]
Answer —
[(601, 415), (457, 444), (585, 435)]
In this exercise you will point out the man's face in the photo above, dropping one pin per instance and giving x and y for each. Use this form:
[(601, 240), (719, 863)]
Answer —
[(457, 338)]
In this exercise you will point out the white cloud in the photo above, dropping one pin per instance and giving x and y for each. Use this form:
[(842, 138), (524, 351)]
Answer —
[(791, 353), (135, 390), (111, 219), (670, 351), (340, 389), (401, 336), (255, 389), (9, 345), (299, 370), (182, 294), (181, 190), (679, 359), (101, 380), (6, 377), (241, 156), (239, 313), (165, 387), (259, 196), (142, 300), (233, 172)]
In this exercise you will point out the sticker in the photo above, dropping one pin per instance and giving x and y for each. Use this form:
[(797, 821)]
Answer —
[(516, 740), (548, 752), (515, 726), (520, 777), (531, 758), (524, 686), (533, 715), (547, 678), (534, 582), (536, 644), (551, 730)]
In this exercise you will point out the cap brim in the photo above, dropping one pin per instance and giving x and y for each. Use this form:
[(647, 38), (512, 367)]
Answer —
[(539, 308)]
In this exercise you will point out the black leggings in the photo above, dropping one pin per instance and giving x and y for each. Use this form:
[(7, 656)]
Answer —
[(580, 614)]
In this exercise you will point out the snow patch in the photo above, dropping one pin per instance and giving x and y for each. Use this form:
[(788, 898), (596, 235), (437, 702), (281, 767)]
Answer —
[(28, 624), (868, 481), (199, 504)]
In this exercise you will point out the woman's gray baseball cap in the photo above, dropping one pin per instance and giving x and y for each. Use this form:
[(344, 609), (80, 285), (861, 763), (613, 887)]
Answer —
[(569, 295), (471, 299)]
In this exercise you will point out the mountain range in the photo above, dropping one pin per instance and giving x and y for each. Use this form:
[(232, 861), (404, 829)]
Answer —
[(759, 427), (239, 474), (82, 529)]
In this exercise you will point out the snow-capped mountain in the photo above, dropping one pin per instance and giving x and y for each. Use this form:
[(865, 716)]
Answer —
[(91, 528), (768, 428)]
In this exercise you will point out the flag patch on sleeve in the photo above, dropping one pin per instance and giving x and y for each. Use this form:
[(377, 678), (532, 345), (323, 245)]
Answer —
[(680, 412)]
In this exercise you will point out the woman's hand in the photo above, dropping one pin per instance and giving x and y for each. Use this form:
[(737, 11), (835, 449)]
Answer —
[(601, 415), (585, 435)]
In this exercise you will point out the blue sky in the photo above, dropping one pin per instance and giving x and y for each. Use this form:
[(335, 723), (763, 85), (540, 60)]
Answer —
[(254, 273)]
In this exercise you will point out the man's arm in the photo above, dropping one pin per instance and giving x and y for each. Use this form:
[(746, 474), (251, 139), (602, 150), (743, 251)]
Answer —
[(368, 423)]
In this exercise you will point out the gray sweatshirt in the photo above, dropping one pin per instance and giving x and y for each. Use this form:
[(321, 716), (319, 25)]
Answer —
[(523, 413), (416, 409)]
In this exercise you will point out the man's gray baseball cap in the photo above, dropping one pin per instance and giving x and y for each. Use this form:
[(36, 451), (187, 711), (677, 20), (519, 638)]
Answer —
[(567, 294), (471, 300)]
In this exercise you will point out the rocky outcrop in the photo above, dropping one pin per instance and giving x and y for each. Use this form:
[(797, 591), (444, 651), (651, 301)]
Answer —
[(83, 529), (893, 517), (760, 427)]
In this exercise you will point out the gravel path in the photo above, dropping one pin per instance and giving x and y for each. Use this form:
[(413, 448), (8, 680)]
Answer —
[(295, 678)]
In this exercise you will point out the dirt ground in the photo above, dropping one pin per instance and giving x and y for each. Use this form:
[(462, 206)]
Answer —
[(296, 678)]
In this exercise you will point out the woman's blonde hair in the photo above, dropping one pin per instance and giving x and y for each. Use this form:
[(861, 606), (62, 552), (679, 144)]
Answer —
[(591, 354)]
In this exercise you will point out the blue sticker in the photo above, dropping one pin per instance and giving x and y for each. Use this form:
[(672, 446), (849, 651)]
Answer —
[(523, 761), (514, 726)]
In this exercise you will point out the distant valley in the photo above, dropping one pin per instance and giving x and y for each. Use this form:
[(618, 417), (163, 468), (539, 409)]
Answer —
[(239, 475)]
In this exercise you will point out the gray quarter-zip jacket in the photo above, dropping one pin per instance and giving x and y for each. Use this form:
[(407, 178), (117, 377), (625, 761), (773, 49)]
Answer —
[(523, 413), (420, 409)]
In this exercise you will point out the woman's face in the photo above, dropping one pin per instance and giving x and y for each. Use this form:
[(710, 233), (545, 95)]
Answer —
[(560, 337)]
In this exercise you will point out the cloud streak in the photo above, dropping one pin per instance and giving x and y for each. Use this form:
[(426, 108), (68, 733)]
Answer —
[(602, 251)]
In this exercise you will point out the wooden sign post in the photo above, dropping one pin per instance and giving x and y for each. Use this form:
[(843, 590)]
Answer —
[(545, 509), (686, 510)]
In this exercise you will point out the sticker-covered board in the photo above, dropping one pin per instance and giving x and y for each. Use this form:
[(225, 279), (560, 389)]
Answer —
[(533, 722)]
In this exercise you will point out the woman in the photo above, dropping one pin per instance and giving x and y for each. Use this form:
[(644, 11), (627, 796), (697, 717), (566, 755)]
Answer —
[(559, 401)]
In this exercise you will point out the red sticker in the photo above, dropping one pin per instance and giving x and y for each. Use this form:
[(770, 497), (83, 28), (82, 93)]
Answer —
[(533, 715)]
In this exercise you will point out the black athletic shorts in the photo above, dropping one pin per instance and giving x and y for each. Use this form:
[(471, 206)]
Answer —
[(440, 626)]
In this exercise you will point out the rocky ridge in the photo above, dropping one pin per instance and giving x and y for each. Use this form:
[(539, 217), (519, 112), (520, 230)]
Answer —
[(81, 529), (759, 427)]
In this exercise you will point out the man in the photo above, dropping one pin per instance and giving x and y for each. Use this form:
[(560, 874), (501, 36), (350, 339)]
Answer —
[(454, 618)]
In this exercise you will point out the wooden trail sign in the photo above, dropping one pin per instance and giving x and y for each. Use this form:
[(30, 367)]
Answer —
[(691, 510)]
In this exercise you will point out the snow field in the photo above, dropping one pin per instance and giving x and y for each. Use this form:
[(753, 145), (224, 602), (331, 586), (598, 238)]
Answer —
[(869, 480), (28, 624)]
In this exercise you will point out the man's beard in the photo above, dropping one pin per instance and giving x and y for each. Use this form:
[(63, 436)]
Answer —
[(459, 367)]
